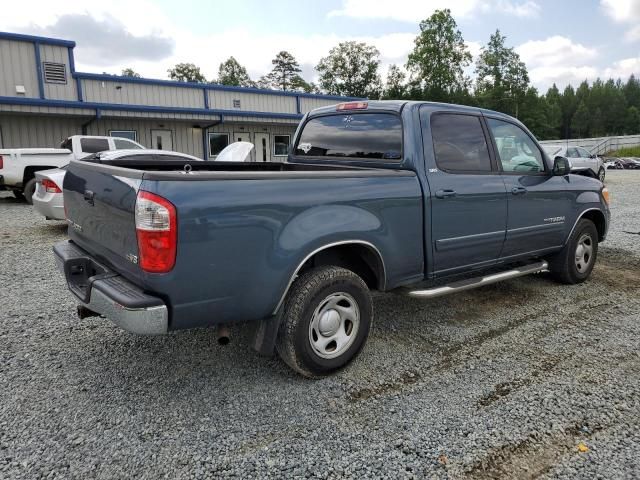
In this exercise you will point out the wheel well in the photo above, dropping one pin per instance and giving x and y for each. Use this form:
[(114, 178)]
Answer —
[(30, 172), (361, 259), (597, 217)]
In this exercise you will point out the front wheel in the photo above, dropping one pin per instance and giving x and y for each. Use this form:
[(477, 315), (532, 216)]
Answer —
[(574, 263), (325, 322), (601, 174)]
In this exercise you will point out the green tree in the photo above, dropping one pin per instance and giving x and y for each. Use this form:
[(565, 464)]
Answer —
[(439, 58), (568, 105), (232, 73), (285, 74), (581, 119), (351, 69), (186, 72), (631, 91), (501, 77), (395, 86), (553, 112), (533, 112), (632, 121), (130, 72)]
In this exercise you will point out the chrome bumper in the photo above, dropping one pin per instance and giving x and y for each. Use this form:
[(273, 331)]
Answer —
[(106, 293)]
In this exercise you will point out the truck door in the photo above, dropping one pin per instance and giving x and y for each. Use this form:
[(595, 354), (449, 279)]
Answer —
[(468, 201), (538, 202)]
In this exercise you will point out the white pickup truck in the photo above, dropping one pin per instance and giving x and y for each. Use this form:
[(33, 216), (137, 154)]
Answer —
[(18, 165)]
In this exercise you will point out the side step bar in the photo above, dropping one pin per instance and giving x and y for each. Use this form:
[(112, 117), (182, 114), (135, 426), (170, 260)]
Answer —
[(476, 282)]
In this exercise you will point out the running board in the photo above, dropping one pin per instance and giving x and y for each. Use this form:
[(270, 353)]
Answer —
[(476, 282)]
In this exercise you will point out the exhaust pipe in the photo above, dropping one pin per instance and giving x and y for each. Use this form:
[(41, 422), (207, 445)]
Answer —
[(222, 334)]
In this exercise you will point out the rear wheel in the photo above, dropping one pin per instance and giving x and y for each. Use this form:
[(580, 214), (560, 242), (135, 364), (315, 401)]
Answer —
[(29, 190), (326, 321), (574, 263)]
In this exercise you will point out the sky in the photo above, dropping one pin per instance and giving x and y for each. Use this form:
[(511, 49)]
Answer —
[(561, 41)]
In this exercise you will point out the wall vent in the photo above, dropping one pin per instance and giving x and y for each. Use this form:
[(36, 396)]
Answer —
[(54, 72)]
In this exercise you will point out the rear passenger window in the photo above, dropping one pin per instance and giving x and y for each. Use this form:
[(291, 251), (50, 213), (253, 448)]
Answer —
[(367, 136), (94, 145), (459, 143)]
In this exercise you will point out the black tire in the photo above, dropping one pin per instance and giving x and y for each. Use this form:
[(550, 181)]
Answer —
[(564, 265), (309, 295), (29, 190), (602, 174), (19, 194)]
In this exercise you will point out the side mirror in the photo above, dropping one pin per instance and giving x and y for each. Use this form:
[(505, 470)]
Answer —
[(561, 166), (593, 155)]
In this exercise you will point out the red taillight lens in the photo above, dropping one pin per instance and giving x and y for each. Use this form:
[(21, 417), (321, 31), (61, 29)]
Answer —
[(50, 186), (1, 162), (352, 106), (156, 228)]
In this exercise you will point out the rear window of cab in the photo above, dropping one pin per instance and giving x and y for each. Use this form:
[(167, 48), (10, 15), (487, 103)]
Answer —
[(360, 136)]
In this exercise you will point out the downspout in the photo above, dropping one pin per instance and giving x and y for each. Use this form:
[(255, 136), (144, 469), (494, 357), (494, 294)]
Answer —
[(205, 143), (85, 126)]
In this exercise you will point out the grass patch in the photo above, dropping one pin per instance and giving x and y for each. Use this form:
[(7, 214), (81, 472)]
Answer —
[(625, 152)]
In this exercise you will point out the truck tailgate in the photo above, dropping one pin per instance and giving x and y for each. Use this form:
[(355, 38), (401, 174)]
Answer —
[(100, 208)]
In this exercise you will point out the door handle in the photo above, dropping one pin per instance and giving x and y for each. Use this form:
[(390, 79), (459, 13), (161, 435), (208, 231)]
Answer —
[(88, 196), (445, 193), (518, 190)]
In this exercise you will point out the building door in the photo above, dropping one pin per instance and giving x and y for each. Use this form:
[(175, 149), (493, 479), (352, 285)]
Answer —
[(162, 139), (263, 149)]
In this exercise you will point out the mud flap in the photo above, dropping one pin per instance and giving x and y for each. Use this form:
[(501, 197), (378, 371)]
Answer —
[(264, 341)]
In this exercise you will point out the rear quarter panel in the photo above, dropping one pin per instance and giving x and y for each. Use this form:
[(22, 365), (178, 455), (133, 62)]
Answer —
[(240, 241)]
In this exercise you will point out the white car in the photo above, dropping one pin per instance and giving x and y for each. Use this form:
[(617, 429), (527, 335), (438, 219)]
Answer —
[(19, 165), (580, 159), (48, 198)]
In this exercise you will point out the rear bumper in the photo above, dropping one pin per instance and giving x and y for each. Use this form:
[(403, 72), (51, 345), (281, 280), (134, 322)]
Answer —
[(51, 205), (103, 291)]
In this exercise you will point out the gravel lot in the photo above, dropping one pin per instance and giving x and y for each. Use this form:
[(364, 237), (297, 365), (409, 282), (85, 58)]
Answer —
[(509, 381)]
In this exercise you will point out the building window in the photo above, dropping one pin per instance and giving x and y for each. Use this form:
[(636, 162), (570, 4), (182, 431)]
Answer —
[(236, 103), (217, 143), (130, 134), (54, 72), (281, 145)]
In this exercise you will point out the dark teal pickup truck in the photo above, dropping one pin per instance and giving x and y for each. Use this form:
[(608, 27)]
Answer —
[(421, 197)]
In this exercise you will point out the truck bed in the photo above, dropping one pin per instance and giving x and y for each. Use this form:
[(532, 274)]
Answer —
[(243, 228)]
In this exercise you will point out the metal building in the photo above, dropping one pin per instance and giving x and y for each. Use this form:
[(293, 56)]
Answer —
[(43, 100)]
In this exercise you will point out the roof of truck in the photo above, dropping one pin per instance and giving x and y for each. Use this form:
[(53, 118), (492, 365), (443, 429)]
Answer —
[(399, 105)]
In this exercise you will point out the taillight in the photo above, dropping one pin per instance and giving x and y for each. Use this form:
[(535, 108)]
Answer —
[(50, 186), (352, 106), (156, 229), (1, 162)]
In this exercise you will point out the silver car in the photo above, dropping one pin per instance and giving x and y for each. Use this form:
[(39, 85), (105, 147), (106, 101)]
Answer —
[(48, 199), (580, 159)]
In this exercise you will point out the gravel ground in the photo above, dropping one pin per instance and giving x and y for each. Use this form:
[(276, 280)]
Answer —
[(523, 379)]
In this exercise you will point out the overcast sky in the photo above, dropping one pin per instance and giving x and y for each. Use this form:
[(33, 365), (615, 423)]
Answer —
[(560, 41)]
